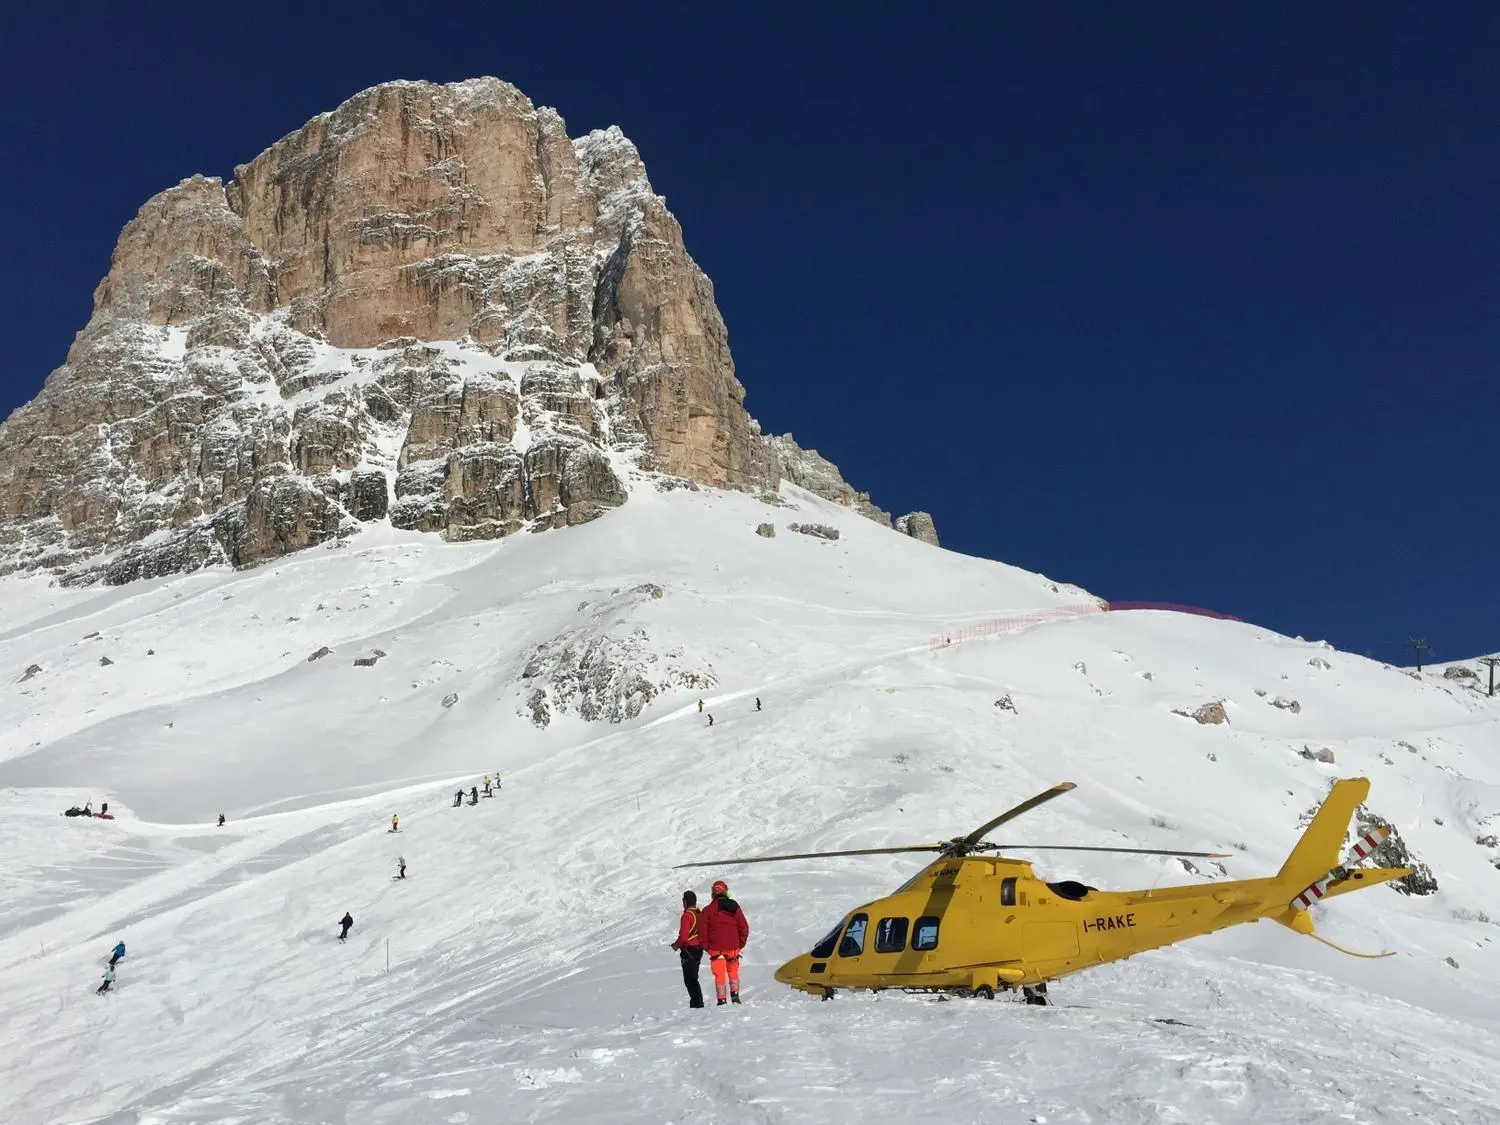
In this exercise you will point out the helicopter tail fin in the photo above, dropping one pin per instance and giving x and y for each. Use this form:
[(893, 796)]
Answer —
[(1313, 871), (1317, 853)]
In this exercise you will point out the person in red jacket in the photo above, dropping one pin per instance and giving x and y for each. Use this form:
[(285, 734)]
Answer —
[(724, 931), (689, 946)]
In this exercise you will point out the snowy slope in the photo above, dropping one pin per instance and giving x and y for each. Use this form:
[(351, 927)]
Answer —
[(521, 972)]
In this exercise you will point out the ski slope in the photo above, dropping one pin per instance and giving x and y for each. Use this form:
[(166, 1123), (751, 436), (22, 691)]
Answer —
[(522, 972)]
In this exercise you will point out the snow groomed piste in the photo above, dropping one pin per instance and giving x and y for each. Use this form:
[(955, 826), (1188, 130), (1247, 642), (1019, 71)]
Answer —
[(529, 972)]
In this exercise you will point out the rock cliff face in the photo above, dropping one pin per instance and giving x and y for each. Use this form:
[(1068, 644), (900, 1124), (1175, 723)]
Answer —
[(428, 306), (807, 468)]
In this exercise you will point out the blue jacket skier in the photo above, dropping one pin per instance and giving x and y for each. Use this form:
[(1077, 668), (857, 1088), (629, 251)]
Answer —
[(117, 954)]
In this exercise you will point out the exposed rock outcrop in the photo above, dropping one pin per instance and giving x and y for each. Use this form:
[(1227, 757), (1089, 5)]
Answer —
[(816, 530), (919, 525), (807, 468), (606, 668), (1208, 714), (1393, 852), (429, 306)]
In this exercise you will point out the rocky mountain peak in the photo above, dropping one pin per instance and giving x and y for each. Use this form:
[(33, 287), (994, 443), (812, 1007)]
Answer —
[(428, 306)]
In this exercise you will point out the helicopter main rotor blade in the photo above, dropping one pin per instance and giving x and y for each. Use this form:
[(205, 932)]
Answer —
[(813, 855), (1082, 848), (1010, 814)]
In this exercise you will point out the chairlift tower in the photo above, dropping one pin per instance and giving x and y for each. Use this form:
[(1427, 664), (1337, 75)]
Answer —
[(1491, 661)]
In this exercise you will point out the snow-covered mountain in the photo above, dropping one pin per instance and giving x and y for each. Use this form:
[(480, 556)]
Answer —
[(428, 309), (521, 971)]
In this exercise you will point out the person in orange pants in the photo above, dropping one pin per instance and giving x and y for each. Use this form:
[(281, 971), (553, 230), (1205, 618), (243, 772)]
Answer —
[(724, 929)]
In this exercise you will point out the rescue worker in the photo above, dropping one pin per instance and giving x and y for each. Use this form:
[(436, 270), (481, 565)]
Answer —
[(487, 785), (347, 922), (689, 947), (724, 928)]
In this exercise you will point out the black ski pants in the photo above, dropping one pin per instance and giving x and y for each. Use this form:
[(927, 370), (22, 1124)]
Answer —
[(691, 960)]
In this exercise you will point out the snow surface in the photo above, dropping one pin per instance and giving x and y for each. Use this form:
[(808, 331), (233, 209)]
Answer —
[(521, 971)]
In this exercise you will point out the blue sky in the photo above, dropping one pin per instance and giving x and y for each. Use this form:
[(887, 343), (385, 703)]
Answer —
[(1186, 302)]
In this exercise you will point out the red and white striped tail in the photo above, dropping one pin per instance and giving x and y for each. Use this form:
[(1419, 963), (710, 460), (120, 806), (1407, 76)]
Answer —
[(1362, 847)]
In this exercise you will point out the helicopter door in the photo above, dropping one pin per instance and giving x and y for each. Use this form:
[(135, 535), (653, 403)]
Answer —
[(854, 937), (1049, 941)]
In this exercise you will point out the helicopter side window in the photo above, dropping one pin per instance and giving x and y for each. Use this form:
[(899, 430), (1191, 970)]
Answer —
[(1007, 892), (890, 935), (824, 948), (854, 937), (925, 933)]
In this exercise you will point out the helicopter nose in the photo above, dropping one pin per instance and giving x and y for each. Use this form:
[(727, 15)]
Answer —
[(794, 972)]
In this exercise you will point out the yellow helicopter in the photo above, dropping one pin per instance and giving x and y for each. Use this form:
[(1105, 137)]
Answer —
[(971, 924)]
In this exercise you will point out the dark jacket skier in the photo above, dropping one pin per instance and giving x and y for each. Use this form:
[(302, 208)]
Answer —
[(401, 867), (474, 795), (117, 954), (221, 820), (689, 947), (458, 798), (347, 921)]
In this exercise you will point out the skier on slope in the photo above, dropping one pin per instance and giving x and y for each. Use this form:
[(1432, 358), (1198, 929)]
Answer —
[(474, 795), (347, 922), (109, 979), (221, 820), (458, 798), (757, 703), (401, 867), (724, 929), (118, 953), (395, 823), (689, 947)]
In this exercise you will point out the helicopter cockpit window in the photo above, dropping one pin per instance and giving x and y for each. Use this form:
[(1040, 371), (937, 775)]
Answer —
[(890, 935), (824, 948), (854, 937), (925, 933), (1007, 892)]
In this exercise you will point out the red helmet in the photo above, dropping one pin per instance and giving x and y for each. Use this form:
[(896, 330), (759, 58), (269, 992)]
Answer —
[(720, 887)]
